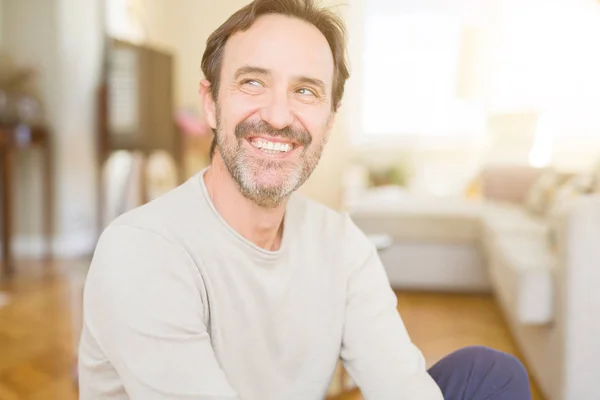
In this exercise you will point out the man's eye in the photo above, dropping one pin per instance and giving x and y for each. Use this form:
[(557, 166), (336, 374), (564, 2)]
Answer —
[(306, 92), (252, 82)]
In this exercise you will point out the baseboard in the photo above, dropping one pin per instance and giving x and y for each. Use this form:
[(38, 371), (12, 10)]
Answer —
[(65, 246)]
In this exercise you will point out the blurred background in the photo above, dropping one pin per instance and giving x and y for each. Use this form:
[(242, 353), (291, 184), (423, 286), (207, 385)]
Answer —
[(467, 147)]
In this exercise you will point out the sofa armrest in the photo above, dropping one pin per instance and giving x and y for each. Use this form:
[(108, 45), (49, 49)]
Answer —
[(578, 294)]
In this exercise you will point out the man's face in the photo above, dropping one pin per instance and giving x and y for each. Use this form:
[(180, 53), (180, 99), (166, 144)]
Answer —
[(274, 111)]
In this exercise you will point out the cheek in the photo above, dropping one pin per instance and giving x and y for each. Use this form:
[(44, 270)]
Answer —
[(315, 121), (236, 109)]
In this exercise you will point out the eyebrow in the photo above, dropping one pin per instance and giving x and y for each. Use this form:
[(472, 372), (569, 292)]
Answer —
[(312, 81), (249, 69)]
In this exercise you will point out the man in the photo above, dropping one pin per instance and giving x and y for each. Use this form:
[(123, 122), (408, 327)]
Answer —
[(233, 287)]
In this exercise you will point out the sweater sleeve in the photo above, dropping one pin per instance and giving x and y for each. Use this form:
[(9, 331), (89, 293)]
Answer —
[(143, 307), (376, 348)]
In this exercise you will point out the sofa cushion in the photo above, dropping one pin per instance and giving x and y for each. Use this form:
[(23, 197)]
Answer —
[(503, 218), (541, 194), (522, 271)]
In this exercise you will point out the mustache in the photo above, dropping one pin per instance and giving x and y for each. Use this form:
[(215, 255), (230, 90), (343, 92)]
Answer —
[(298, 135)]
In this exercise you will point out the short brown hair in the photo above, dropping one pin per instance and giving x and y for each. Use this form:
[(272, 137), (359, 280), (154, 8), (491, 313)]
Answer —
[(330, 25)]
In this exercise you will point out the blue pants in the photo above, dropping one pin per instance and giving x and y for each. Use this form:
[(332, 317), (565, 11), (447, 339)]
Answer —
[(480, 373)]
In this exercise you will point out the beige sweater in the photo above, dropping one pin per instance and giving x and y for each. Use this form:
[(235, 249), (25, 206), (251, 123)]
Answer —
[(177, 305)]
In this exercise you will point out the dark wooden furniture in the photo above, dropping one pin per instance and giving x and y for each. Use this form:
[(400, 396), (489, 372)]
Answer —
[(136, 106), (14, 139)]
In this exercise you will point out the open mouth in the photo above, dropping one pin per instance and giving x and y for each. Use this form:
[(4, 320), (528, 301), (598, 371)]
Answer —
[(271, 146)]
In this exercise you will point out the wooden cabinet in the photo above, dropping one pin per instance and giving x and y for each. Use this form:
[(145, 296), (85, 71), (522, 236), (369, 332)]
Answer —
[(14, 139), (136, 106)]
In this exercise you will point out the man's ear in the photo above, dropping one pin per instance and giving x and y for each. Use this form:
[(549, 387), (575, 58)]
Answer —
[(208, 103)]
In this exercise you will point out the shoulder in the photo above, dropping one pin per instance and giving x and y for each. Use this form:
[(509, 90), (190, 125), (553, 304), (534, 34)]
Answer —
[(149, 236), (136, 251), (165, 215), (139, 251)]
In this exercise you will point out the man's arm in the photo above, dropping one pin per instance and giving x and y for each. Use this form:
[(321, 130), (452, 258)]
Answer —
[(143, 306), (376, 350)]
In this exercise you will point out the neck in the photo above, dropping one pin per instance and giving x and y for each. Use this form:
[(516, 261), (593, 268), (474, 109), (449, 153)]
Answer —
[(261, 226)]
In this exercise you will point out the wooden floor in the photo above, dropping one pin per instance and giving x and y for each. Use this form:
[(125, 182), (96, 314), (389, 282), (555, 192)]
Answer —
[(440, 323), (36, 336), (37, 345)]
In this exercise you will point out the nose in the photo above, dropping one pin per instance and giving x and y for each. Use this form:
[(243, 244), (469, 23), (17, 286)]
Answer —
[(278, 112)]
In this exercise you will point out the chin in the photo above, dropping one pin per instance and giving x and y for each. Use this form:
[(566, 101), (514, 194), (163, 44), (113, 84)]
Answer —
[(260, 179), (277, 184), (280, 184)]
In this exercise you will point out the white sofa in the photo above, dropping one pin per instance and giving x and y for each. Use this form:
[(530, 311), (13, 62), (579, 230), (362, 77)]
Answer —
[(435, 244), (551, 298), (544, 273)]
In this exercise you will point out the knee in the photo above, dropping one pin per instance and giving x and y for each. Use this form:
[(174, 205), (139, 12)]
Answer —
[(482, 372), (500, 365)]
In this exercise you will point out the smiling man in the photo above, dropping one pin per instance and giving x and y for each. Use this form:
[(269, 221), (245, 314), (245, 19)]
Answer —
[(234, 287)]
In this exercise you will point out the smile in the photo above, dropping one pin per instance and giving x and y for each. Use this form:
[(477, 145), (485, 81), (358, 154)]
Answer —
[(271, 147)]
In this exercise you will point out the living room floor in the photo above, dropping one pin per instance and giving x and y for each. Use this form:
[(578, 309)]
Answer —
[(37, 345)]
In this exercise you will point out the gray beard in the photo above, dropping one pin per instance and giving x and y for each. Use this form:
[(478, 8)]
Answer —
[(245, 171)]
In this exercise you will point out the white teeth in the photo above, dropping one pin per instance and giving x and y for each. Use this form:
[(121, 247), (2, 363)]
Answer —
[(273, 147)]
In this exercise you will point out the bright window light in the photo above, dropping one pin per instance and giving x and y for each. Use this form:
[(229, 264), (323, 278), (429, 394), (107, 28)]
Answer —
[(410, 77)]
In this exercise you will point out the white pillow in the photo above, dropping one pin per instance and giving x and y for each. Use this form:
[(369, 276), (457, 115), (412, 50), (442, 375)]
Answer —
[(541, 194), (576, 186)]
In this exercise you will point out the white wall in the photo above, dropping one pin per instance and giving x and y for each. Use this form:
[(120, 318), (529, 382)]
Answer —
[(62, 39), (80, 46), (184, 29)]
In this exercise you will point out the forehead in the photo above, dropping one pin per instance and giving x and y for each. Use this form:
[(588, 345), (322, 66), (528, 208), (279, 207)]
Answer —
[(287, 46)]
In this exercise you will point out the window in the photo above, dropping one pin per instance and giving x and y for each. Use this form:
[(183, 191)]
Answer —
[(410, 71), (432, 69), (122, 20)]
